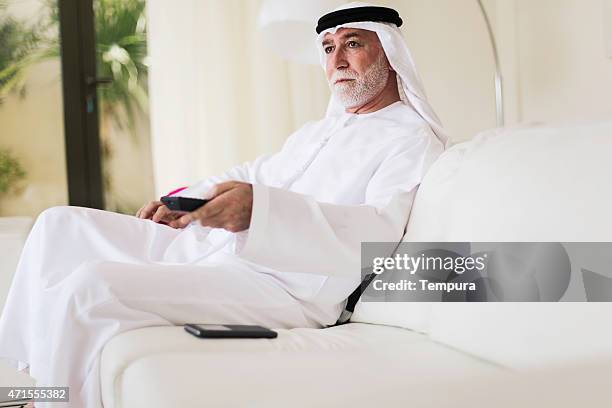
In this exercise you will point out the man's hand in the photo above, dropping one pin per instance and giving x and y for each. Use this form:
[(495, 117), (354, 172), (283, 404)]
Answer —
[(230, 208), (158, 212)]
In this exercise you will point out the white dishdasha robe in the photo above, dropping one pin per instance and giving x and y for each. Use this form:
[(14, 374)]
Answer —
[(86, 275)]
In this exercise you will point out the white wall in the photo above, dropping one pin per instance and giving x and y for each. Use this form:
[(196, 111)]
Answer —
[(454, 58), (553, 56), (33, 129), (564, 73)]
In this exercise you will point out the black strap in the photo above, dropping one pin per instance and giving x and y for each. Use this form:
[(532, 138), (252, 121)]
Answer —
[(353, 298), (356, 14)]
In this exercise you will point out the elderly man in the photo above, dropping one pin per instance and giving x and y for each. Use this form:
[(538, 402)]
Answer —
[(278, 244)]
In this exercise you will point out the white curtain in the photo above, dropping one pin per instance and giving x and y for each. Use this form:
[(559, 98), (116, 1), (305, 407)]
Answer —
[(218, 94)]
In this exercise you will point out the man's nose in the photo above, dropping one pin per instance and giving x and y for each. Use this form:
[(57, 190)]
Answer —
[(339, 60)]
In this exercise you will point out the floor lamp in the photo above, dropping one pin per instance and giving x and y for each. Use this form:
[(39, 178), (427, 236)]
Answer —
[(499, 89)]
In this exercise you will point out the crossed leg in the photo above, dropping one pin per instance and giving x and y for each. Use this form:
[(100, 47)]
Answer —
[(87, 275)]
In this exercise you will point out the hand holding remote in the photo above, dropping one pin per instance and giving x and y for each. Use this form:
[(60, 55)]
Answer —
[(229, 208), (158, 212)]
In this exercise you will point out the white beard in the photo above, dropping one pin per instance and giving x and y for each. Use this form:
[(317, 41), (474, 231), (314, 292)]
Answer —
[(363, 89)]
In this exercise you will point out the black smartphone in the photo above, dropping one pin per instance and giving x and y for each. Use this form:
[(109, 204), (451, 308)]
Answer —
[(183, 203), (16, 403), (225, 331)]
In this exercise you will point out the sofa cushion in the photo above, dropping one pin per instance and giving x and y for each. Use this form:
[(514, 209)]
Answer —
[(165, 366), (526, 335), (414, 316)]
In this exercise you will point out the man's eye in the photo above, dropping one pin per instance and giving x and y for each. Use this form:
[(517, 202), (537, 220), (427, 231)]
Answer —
[(352, 44), (328, 49)]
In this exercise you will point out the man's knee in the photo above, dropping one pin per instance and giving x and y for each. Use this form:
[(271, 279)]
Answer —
[(57, 214), (87, 281), (58, 218)]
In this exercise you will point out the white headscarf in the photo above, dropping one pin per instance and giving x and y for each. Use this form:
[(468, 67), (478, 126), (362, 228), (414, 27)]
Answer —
[(409, 84)]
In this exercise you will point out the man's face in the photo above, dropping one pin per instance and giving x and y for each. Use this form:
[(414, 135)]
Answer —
[(356, 67)]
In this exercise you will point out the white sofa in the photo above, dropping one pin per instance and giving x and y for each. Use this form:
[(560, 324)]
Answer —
[(525, 184), (13, 233)]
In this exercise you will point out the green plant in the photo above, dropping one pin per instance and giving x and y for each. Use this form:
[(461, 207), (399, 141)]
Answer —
[(19, 50), (10, 171), (121, 45), (121, 50)]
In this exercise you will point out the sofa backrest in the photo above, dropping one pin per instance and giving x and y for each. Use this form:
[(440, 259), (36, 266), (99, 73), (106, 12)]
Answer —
[(526, 184), (523, 184)]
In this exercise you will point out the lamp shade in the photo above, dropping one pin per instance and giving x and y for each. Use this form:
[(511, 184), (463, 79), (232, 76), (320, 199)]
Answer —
[(288, 27)]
